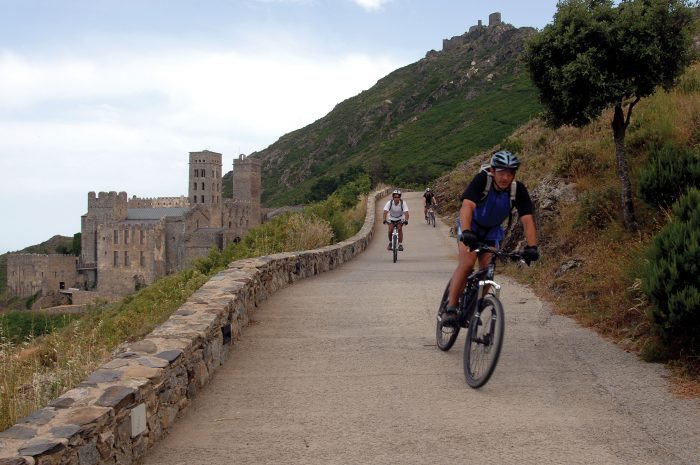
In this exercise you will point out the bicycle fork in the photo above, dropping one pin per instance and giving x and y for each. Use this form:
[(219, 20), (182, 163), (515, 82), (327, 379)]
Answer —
[(492, 287)]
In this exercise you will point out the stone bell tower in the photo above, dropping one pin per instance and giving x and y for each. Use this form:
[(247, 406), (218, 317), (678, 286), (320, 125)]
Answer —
[(205, 183), (247, 185)]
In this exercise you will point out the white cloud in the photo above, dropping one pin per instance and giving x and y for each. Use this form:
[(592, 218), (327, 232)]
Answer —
[(188, 91), (125, 120), (371, 5)]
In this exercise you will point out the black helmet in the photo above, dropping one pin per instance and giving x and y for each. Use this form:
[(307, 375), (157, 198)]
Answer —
[(505, 159)]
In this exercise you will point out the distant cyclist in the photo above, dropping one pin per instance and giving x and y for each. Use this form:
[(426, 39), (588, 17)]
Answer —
[(396, 209), (428, 200), (486, 203)]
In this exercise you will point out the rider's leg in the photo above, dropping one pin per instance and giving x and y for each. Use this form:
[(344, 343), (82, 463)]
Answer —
[(400, 233), (467, 259)]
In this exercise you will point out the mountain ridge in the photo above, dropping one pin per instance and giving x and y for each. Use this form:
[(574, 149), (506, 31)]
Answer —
[(414, 124)]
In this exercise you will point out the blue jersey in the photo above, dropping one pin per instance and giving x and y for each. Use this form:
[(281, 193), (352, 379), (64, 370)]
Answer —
[(493, 209)]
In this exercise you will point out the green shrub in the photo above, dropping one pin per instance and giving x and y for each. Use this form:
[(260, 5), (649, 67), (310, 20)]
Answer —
[(19, 326), (668, 174), (689, 84), (597, 208), (671, 278), (513, 145), (576, 161)]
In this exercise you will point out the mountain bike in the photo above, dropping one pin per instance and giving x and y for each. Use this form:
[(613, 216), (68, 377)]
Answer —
[(395, 238), (479, 311), (430, 216)]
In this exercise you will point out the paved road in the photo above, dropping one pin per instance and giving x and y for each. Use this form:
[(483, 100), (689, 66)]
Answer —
[(343, 369)]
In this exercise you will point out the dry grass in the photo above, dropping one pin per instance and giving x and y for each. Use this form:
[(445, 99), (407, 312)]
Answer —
[(306, 233), (33, 373)]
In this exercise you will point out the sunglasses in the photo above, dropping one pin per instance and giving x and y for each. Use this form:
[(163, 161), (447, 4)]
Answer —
[(397, 196)]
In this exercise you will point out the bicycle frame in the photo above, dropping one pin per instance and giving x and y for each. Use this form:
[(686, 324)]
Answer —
[(395, 238), (481, 313)]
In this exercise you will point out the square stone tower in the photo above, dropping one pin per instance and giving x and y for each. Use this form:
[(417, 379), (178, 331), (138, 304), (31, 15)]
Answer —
[(247, 185), (205, 183), (246, 179)]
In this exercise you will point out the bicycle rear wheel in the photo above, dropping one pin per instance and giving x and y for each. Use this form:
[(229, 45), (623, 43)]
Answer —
[(432, 218), (445, 335), (484, 342)]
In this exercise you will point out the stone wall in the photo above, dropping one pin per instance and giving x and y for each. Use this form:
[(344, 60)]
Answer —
[(159, 202), (131, 255), (239, 216), (458, 41), (28, 274), (129, 403)]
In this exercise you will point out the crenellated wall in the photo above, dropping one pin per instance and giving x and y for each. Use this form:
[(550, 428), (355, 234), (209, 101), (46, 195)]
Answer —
[(128, 404), (159, 202)]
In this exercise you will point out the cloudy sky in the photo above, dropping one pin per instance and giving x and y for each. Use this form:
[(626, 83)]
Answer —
[(102, 95)]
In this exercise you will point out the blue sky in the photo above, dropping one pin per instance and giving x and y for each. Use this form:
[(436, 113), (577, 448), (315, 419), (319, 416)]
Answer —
[(102, 95)]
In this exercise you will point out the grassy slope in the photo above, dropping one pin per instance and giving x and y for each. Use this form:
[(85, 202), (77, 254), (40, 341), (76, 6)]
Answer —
[(414, 124), (603, 292)]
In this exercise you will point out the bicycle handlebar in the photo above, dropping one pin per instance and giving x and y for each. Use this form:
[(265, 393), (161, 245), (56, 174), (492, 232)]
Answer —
[(513, 256)]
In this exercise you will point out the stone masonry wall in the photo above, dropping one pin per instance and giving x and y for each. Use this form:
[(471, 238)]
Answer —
[(131, 255), (28, 274), (124, 407), (159, 202)]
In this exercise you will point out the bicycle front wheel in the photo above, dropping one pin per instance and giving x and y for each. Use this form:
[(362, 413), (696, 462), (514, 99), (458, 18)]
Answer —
[(484, 341), (395, 247), (445, 335)]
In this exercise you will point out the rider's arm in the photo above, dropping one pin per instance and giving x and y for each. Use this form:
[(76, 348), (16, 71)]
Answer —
[(465, 214), (523, 203), (529, 229)]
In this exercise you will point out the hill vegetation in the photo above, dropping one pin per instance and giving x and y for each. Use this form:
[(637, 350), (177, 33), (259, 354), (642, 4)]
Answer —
[(413, 125)]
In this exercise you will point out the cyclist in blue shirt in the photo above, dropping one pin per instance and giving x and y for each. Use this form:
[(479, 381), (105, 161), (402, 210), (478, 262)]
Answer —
[(485, 206)]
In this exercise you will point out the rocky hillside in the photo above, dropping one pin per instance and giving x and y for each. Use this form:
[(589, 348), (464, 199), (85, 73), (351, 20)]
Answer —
[(414, 124)]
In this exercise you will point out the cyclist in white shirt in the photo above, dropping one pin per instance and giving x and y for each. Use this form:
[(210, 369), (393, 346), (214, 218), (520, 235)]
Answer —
[(396, 209)]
